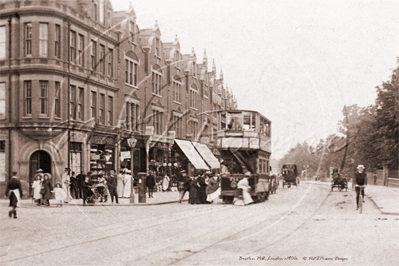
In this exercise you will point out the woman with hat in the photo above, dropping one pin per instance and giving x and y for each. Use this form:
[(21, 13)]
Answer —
[(37, 185), (46, 192), (244, 185), (361, 180)]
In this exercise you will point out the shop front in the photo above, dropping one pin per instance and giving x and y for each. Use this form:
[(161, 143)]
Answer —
[(102, 154), (188, 156), (133, 147)]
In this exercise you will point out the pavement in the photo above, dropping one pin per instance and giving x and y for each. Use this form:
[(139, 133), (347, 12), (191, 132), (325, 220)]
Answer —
[(159, 198), (385, 198)]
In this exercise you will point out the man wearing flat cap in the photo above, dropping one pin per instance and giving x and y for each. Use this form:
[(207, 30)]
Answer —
[(361, 180)]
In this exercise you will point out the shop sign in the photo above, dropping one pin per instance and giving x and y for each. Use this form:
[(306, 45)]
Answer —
[(77, 136), (104, 140), (125, 155), (132, 142), (159, 145)]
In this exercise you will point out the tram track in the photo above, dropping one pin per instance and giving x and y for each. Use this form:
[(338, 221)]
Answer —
[(123, 224), (230, 239)]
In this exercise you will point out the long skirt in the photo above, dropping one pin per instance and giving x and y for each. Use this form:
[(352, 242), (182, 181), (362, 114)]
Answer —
[(215, 195), (192, 199)]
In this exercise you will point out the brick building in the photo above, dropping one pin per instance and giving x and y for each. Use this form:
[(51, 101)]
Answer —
[(81, 86)]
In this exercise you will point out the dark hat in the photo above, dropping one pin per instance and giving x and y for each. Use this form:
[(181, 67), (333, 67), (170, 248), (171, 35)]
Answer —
[(14, 173), (67, 168)]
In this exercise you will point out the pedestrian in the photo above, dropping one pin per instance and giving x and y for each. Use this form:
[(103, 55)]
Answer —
[(212, 189), (59, 194), (74, 186), (46, 190), (37, 185), (66, 182), (184, 185), (201, 196), (150, 182), (80, 181), (14, 193), (87, 192), (102, 191), (246, 197), (375, 176), (361, 180), (112, 186), (128, 183), (165, 182), (192, 199), (121, 184)]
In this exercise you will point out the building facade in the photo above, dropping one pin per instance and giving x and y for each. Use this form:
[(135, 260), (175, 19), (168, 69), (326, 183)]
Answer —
[(81, 86)]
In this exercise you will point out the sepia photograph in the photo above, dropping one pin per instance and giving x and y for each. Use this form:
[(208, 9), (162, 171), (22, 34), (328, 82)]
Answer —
[(199, 132)]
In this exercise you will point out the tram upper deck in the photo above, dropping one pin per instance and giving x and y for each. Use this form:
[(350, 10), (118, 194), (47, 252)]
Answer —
[(243, 129)]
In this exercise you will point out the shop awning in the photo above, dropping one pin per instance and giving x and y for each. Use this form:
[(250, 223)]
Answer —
[(191, 153), (207, 155)]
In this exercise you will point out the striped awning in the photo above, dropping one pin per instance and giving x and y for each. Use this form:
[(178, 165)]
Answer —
[(191, 153), (207, 155)]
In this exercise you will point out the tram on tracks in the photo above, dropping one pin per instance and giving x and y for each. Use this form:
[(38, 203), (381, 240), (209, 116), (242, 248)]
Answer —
[(244, 144)]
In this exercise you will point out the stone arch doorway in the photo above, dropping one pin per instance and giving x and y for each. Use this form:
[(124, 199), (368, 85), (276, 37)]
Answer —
[(38, 160)]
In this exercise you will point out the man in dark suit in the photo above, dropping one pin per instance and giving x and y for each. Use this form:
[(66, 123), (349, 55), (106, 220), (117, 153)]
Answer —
[(185, 185), (112, 185), (80, 182), (86, 190), (201, 198), (14, 192), (150, 182)]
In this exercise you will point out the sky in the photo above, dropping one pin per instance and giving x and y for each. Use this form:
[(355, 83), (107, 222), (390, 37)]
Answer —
[(296, 62)]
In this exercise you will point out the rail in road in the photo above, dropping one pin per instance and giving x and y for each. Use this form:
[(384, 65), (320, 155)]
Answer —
[(185, 234)]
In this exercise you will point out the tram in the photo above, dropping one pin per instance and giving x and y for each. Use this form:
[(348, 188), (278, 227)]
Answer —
[(244, 144)]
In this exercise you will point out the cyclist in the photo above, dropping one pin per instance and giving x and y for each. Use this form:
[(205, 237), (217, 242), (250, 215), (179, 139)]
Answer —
[(361, 180)]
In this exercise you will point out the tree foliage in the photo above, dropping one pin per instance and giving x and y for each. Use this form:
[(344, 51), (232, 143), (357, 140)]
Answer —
[(369, 136)]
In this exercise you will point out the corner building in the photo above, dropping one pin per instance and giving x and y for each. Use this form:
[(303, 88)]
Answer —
[(81, 86)]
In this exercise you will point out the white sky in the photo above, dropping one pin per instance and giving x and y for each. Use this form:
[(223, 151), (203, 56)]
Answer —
[(296, 62)]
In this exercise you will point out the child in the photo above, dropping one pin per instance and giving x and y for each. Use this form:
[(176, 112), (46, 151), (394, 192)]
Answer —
[(59, 194)]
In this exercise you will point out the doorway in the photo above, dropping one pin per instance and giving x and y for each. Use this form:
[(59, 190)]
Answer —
[(38, 160)]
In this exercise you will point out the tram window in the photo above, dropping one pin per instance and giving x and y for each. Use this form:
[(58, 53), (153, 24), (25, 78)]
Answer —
[(247, 120), (253, 121)]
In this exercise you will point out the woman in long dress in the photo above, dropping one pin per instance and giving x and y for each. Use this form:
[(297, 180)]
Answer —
[(165, 183), (246, 197), (120, 185), (37, 185), (128, 184), (192, 198)]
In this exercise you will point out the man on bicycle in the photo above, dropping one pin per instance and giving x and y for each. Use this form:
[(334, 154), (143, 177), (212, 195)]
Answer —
[(361, 180)]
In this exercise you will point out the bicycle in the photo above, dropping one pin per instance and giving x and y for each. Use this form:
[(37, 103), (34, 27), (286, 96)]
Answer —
[(361, 198)]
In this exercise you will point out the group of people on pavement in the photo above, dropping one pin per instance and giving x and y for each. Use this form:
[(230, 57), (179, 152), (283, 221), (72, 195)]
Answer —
[(203, 188), (112, 185)]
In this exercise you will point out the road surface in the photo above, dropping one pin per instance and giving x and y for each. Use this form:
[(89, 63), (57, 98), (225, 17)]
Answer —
[(307, 224)]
